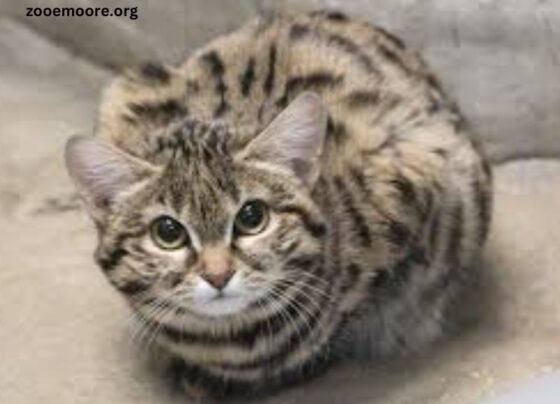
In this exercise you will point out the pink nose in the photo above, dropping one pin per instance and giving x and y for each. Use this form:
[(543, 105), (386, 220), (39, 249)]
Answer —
[(218, 279), (216, 265)]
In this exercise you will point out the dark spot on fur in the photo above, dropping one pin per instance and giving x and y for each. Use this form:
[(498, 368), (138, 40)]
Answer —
[(363, 98), (247, 78), (332, 15), (336, 130), (394, 40), (270, 76), (350, 47), (314, 81), (158, 111), (155, 72), (192, 86), (217, 69), (299, 31)]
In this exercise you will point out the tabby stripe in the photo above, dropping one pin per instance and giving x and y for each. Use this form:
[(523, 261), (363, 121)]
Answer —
[(359, 180), (161, 111), (433, 82), (231, 385), (363, 98), (219, 386), (304, 324), (247, 78), (213, 60), (455, 234), (452, 271), (247, 259), (155, 72), (192, 86), (344, 44), (408, 192), (109, 262), (360, 222), (270, 76), (389, 282), (392, 57), (336, 130), (332, 15), (133, 287), (394, 40), (388, 102), (434, 106), (435, 230), (428, 205), (486, 165), (314, 81), (299, 31), (398, 233), (483, 203), (353, 49), (246, 338), (313, 227), (441, 285), (241, 338), (406, 188), (304, 262), (352, 275)]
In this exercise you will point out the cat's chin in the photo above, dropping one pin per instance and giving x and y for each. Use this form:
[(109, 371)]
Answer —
[(222, 305), (232, 300)]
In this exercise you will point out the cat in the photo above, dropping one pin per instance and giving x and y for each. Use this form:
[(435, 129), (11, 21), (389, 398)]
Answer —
[(295, 191)]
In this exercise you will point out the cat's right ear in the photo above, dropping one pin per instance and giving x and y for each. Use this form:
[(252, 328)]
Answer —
[(100, 172)]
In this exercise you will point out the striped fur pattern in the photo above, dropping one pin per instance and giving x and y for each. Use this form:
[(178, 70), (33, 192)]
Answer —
[(371, 254)]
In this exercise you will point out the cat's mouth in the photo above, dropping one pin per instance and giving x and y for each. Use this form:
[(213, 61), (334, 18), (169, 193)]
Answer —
[(222, 304)]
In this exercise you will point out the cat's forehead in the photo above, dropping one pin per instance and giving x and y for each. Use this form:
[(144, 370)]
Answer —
[(199, 199), (192, 139), (198, 181)]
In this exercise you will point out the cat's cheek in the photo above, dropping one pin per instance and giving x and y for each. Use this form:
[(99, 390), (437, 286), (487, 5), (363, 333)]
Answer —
[(257, 242), (169, 261)]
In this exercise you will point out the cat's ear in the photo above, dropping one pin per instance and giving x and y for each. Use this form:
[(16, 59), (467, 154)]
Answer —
[(294, 140), (100, 172)]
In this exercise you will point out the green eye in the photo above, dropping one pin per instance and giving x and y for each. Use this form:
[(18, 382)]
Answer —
[(252, 218), (168, 233)]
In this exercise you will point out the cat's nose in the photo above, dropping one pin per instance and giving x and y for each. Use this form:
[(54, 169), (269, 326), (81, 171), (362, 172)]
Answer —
[(216, 266), (219, 280)]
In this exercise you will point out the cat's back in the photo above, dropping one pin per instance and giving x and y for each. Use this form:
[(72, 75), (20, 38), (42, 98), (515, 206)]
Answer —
[(373, 86)]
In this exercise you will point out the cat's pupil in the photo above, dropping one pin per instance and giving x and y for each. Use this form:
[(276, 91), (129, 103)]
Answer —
[(251, 217), (169, 232)]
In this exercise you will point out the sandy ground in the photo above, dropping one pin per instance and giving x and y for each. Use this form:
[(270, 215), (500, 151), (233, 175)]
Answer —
[(65, 334)]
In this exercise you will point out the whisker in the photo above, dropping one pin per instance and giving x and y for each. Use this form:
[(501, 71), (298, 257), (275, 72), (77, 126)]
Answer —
[(300, 287), (306, 319), (312, 300), (317, 289), (152, 316), (289, 304)]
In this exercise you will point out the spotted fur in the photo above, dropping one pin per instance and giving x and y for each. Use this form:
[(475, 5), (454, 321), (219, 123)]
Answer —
[(370, 255)]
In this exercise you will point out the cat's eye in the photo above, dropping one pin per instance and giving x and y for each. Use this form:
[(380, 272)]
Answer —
[(168, 233), (252, 218)]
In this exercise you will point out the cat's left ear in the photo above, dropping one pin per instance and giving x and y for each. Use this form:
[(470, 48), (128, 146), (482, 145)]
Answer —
[(294, 140), (101, 172)]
